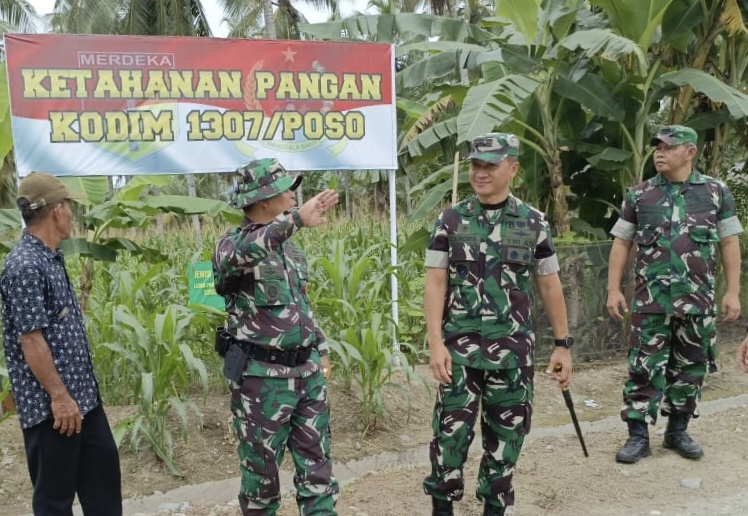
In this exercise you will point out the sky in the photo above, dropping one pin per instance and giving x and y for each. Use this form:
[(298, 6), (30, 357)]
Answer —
[(214, 13)]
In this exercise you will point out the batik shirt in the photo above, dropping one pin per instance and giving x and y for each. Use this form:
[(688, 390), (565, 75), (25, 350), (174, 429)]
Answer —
[(490, 257), (37, 295), (262, 276), (676, 228)]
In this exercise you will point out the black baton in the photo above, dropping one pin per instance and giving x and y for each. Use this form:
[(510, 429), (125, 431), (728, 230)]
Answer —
[(570, 404)]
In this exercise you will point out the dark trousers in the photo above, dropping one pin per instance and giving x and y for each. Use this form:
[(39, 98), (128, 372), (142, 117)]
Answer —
[(85, 463)]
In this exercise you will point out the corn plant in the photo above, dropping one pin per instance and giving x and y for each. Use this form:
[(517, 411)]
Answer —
[(350, 293), (155, 358), (376, 365)]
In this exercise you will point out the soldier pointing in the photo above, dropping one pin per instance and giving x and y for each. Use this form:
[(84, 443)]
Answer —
[(275, 354)]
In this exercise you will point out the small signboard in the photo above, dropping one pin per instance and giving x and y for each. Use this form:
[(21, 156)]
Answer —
[(202, 289)]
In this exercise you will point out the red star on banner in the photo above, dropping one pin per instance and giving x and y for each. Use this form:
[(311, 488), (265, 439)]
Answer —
[(288, 55)]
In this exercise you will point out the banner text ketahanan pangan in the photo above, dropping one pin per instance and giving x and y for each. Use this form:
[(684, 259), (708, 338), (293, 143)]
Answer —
[(154, 123)]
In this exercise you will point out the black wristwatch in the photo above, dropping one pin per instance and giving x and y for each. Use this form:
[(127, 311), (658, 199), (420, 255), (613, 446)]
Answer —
[(566, 342)]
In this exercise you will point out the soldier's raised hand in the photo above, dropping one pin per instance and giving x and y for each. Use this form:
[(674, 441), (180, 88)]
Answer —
[(312, 211)]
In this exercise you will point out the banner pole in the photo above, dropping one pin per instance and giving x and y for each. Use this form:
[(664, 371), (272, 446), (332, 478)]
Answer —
[(393, 261), (455, 173)]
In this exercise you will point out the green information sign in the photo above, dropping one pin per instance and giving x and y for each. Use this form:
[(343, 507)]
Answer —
[(202, 290)]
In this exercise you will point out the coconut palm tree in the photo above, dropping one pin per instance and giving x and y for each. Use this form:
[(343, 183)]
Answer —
[(133, 17), (17, 16), (258, 19)]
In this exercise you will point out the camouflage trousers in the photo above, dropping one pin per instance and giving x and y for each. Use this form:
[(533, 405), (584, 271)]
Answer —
[(505, 399), (270, 414), (667, 364)]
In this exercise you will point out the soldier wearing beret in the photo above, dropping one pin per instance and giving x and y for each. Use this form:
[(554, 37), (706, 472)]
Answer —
[(276, 356), (482, 257), (677, 219), (69, 445)]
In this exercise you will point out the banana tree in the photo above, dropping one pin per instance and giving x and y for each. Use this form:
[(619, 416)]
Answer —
[(131, 207), (7, 175), (583, 85), (715, 39)]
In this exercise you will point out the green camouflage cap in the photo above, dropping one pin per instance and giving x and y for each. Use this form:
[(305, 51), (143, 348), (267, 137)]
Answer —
[(493, 147), (259, 180), (675, 135)]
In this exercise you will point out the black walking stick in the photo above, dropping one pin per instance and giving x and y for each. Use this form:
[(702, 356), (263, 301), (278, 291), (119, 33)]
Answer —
[(573, 413), (570, 405)]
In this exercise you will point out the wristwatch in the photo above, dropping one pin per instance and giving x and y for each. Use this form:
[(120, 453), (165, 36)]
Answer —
[(567, 342)]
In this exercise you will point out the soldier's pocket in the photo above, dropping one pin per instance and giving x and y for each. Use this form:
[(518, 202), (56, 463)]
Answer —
[(646, 237), (262, 464), (463, 281), (702, 235), (515, 267), (272, 293), (270, 285)]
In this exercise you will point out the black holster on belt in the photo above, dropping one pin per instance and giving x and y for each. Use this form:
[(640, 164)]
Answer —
[(223, 341)]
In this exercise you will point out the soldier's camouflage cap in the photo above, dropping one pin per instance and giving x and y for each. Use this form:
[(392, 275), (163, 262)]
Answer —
[(675, 135), (494, 147), (259, 180)]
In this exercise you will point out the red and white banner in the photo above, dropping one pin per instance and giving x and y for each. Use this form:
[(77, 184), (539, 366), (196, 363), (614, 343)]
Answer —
[(124, 105)]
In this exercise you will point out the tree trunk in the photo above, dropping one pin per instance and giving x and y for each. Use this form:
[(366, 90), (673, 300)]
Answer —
[(160, 216), (267, 16), (192, 191), (716, 153), (560, 219), (699, 60), (87, 273), (347, 186), (375, 200), (408, 200)]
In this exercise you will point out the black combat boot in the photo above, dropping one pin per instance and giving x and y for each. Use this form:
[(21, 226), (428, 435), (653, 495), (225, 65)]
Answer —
[(637, 447), (492, 510), (677, 439), (441, 507)]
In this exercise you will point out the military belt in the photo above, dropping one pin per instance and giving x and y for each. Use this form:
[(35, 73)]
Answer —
[(287, 357)]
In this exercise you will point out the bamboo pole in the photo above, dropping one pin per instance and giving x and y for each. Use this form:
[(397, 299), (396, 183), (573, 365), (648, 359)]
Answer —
[(454, 177)]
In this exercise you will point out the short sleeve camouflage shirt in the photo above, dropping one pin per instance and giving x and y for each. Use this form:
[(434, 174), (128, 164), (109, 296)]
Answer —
[(487, 321), (263, 277), (676, 228), (37, 295)]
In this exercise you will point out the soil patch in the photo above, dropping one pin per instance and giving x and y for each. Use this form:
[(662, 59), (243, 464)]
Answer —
[(553, 476)]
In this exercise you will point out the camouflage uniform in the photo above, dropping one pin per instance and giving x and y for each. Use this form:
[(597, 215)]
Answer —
[(676, 228), (263, 277), (487, 326)]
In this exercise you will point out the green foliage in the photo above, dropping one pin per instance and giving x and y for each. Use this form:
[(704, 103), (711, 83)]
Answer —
[(350, 292), (4, 388), (155, 358), (150, 350)]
